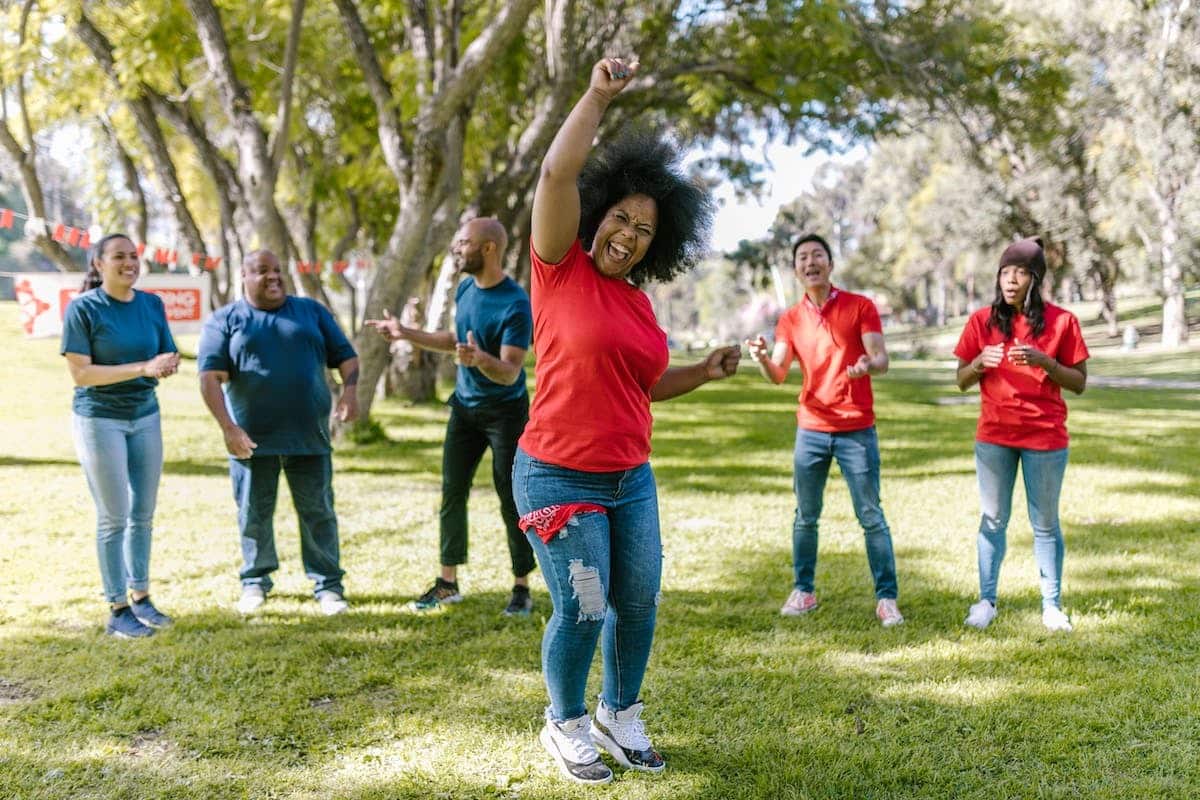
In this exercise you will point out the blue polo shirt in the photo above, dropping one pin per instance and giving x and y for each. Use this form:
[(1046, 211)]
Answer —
[(499, 315), (112, 332), (276, 362)]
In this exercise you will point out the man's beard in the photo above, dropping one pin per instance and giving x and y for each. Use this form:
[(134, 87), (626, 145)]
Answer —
[(471, 265)]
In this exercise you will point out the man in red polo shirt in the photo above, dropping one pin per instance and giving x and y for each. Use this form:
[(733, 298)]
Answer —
[(838, 340)]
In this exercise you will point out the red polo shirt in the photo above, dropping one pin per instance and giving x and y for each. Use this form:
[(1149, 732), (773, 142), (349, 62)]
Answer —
[(1021, 406), (826, 341), (599, 353)]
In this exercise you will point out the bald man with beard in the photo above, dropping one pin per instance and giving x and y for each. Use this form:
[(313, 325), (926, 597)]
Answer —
[(490, 404)]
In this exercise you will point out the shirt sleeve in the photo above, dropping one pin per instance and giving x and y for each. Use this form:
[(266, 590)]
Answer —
[(212, 353), (166, 342), (554, 275), (77, 331), (518, 328), (337, 346), (868, 318), (1071, 348), (968, 343)]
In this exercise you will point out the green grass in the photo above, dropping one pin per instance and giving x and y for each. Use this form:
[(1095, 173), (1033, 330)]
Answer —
[(743, 703)]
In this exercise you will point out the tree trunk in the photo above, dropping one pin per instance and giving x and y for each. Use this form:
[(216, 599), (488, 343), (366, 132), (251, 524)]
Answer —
[(1174, 315)]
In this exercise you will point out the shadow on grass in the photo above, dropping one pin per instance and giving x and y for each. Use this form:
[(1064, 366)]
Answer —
[(743, 702)]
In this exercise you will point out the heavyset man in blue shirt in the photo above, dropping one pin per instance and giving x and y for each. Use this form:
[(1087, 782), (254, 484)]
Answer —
[(490, 405), (270, 351)]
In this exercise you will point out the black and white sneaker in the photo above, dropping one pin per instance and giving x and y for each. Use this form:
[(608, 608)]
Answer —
[(623, 735), (520, 604), (570, 742)]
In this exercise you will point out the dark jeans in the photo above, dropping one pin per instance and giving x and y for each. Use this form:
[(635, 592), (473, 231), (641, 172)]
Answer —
[(469, 433), (255, 489)]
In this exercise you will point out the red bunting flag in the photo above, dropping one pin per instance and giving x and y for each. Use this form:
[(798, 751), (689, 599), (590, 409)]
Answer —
[(141, 249), (340, 266), (212, 262), (60, 232), (196, 259), (6, 218), (160, 256), (85, 240), (173, 257), (73, 235)]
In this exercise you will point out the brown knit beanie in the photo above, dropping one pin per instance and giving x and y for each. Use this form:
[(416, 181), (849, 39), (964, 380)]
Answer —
[(1026, 253)]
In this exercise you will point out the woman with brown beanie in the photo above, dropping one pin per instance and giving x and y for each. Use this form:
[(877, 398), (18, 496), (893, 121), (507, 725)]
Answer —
[(1022, 351)]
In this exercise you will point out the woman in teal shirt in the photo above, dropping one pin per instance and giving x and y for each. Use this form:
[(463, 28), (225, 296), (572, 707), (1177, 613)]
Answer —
[(117, 345)]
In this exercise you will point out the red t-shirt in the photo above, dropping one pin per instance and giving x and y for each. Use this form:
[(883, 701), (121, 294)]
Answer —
[(1021, 406), (599, 352), (826, 340)]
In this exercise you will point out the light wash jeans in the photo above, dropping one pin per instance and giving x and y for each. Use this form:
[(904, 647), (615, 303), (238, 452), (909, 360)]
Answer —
[(603, 572), (1042, 470), (857, 454), (122, 460)]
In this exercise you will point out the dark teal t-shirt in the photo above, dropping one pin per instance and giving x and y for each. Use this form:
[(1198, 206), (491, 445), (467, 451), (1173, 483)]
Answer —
[(113, 332), (498, 315), (276, 362)]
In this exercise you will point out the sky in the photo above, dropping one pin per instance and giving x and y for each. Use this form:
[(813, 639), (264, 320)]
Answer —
[(790, 172)]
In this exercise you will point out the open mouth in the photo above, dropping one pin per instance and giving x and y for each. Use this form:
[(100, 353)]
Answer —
[(618, 254)]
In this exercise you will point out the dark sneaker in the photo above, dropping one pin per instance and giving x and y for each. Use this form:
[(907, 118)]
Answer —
[(623, 735), (570, 743), (124, 625), (520, 604), (147, 614), (441, 593)]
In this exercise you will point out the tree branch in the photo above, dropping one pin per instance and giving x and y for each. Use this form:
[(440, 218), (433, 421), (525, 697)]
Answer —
[(284, 115)]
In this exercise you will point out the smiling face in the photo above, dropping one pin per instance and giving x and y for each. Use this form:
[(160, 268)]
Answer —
[(263, 278), (1015, 282), (813, 266), (624, 235), (468, 249), (118, 266)]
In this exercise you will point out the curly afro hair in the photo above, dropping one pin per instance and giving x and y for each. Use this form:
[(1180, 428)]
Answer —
[(640, 161)]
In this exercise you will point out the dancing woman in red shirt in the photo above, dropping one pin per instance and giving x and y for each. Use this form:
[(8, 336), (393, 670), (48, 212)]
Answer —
[(581, 479), (1022, 352)]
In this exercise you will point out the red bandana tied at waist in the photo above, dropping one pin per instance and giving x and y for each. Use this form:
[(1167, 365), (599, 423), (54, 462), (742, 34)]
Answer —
[(550, 520)]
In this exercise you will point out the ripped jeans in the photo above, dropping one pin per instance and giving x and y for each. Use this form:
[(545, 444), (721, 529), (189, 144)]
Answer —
[(603, 572)]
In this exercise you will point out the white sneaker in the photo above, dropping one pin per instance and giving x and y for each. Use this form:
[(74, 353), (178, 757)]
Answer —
[(888, 613), (1055, 620), (570, 743), (980, 615), (332, 603), (623, 735), (252, 599)]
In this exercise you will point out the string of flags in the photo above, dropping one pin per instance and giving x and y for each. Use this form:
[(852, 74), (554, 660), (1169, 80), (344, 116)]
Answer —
[(81, 238)]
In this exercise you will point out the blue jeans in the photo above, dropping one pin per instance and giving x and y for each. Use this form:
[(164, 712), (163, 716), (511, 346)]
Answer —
[(603, 572), (1042, 470), (256, 487), (122, 460), (857, 454)]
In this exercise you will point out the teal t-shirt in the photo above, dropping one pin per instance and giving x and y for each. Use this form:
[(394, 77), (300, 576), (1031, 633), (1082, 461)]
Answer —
[(113, 332), (276, 362), (499, 315)]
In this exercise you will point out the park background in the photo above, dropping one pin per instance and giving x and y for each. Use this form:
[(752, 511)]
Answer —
[(359, 135)]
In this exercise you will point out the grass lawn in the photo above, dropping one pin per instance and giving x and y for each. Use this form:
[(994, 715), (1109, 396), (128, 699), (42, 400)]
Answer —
[(743, 703)]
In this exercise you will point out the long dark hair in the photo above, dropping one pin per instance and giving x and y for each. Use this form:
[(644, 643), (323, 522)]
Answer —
[(640, 161), (93, 278), (1033, 260)]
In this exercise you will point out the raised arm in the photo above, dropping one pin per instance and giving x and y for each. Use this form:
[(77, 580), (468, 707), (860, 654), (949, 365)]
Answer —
[(773, 364), (556, 200), (390, 328)]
